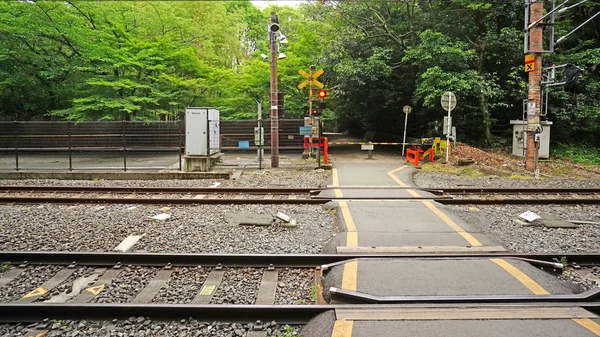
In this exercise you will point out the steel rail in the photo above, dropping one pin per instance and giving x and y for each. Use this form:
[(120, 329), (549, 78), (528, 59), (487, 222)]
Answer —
[(161, 201), (480, 201), (592, 295), (490, 190), (448, 200), (166, 190), (282, 314), (257, 260)]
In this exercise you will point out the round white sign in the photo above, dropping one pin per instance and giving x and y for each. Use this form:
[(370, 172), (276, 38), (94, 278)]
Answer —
[(448, 101), (407, 109)]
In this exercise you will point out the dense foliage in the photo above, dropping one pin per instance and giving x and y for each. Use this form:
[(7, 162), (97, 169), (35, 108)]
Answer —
[(84, 60)]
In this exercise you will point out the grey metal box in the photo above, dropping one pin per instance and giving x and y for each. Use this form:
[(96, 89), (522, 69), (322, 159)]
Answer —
[(202, 135), (520, 138)]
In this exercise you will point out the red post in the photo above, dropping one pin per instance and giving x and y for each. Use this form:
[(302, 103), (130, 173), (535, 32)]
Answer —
[(326, 150)]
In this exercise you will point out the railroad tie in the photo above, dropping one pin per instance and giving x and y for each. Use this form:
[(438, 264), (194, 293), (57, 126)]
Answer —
[(57, 279), (97, 287), (148, 293), (209, 287), (268, 287), (10, 275)]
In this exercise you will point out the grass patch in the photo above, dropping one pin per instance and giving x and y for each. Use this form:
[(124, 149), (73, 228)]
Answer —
[(578, 153), (518, 176), (470, 171), (289, 331)]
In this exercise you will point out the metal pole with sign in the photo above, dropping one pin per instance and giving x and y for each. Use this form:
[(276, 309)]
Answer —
[(448, 103), (407, 109)]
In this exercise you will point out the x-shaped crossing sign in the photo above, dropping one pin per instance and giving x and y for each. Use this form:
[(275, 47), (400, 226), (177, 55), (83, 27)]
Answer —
[(310, 79)]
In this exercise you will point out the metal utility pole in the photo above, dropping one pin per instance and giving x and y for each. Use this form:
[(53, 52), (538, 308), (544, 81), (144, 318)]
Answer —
[(536, 12), (273, 29)]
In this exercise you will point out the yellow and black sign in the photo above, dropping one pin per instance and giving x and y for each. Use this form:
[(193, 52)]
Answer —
[(529, 63), (310, 79)]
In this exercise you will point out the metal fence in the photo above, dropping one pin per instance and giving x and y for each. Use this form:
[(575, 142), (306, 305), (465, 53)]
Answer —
[(108, 145), (72, 142)]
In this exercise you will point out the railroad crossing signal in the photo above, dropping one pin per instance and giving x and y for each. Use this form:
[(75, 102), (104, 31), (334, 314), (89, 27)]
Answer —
[(322, 93), (310, 79), (529, 63)]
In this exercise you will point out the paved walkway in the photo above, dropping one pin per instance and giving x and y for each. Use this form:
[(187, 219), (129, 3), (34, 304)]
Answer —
[(426, 226)]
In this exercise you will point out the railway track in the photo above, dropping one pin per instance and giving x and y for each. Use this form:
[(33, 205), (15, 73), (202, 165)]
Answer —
[(100, 287), (244, 195)]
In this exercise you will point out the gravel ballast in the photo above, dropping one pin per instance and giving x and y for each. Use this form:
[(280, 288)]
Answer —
[(28, 280), (126, 286), (239, 286), (498, 221), (190, 229), (183, 285), (142, 326), (295, 286)]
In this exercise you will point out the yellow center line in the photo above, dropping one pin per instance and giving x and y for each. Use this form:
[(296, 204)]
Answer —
[(352, 236), (459, 230), (349, 276), (588, 324), (533, 286), (342, 328)]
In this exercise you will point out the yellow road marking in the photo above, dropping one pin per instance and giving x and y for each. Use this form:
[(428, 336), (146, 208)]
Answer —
[(342, 328), (519, 275), (36, 292), (351, 240), (349, 276), (588, 324), (470, 238)]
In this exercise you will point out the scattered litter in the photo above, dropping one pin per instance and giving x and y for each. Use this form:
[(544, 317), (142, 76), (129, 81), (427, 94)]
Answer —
[(320, 170), (283, 216), (99, 208), (216, 184), (164, 209), (291, 224), (162, 216), (474, 209), (130, 208), (529, 216)]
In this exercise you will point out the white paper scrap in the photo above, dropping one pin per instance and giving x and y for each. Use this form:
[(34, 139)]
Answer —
[(130, 208), (162, 216), (529, 216), (283, 216)]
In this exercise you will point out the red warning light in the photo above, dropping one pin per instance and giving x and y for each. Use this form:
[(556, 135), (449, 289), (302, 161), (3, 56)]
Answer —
[(322, 93)]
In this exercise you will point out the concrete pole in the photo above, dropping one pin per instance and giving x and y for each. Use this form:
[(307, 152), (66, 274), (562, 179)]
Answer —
[(536, 11), (273, 110)]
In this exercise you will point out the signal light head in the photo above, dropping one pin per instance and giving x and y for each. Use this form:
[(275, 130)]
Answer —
[(322, 93)]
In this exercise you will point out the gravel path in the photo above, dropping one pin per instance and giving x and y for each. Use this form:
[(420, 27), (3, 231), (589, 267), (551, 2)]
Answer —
[(183, 286), (191, 229), (141, 326), (295, 286), (126, 286), (239, 286)]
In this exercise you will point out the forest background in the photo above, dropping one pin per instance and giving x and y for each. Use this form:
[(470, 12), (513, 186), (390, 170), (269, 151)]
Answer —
[(126, 60)]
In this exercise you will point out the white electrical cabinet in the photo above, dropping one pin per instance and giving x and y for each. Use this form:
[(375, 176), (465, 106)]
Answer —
[(520, 138), (202, 135)]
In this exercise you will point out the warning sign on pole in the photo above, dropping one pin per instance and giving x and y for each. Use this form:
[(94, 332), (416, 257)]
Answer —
[(529, 63)]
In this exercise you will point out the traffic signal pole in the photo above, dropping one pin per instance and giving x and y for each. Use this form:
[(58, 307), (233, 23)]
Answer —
[(536, 11), (273, 28)]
